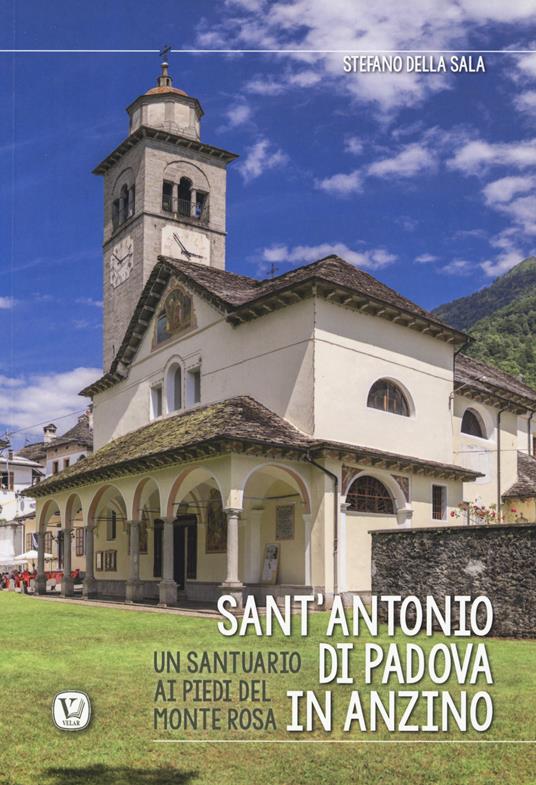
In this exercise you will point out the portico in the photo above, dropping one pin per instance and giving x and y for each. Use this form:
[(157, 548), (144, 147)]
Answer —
[(169, 519)]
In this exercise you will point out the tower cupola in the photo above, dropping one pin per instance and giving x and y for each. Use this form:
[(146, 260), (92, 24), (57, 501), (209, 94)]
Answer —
[(166, 108)]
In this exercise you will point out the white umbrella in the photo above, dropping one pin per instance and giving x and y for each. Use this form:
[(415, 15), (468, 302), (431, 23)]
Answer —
[(31, 556)]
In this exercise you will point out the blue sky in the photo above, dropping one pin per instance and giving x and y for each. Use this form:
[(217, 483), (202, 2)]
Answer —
[(427, 181)]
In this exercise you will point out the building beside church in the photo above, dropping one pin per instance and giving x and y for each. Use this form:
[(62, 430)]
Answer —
[(17, 473), (52, 455), (249, 434)]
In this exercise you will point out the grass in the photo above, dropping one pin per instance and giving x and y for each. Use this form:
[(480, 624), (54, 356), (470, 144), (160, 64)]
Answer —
[(49, 646)]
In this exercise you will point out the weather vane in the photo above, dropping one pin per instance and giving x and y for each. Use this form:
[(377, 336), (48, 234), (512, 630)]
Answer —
[(166, 49)]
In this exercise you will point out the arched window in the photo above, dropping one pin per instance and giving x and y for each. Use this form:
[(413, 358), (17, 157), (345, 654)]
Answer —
[(185, 196), (367, 494), (388, 397), (472, 424), (123, 204), (174, 388)]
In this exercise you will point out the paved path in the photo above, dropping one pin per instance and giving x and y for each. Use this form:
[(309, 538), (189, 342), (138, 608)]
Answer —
[(186, 610)]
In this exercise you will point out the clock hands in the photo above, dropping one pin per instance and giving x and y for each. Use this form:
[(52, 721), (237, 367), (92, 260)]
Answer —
[(122, 259), (183, 248)]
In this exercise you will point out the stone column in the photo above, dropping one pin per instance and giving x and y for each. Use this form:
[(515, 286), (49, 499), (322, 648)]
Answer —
[(67, 584), (90, 584), (41, 582), (254, 562), (307, 533), (232, 583), (341, 550), (167, 586), (134, 587), (14, 538)]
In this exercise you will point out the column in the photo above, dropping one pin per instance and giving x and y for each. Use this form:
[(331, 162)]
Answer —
[(342, 550), (232, 584), (167, 586), (90, 584), (67, 583), (254, 562), (307, 533), (41, 582), (134, 586)]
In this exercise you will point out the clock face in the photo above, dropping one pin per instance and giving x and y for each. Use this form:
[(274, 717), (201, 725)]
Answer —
[(180, 242), (121, 261)]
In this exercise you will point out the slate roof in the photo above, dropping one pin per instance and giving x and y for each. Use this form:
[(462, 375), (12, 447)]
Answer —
[(237, 290), (526, 478), (80, 433), (486, 380), (241, 298), (34, 452), (234, 425)]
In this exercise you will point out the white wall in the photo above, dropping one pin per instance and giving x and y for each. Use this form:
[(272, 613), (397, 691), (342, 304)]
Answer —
[(270, 358), (352, 351), (481, 454)]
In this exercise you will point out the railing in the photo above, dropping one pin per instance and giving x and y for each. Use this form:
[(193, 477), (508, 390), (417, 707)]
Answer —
[(187, 208)]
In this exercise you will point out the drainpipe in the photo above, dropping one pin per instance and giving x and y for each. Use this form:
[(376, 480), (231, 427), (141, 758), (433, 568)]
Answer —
[(335, 481), (499, 461), (529, 445)]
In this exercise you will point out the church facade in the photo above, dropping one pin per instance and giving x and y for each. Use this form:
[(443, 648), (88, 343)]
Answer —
[(249, 434)]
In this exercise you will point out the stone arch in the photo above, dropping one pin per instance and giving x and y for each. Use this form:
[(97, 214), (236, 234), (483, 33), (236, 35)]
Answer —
[(405, 393), (187, 481), (125, 177), (74, 504), (399, 499), (50, 508), (178, 168), (144, 490), (290, 473), (112, 492), (479, 415)]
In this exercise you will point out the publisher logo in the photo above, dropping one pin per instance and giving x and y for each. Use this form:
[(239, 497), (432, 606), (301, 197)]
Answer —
[(71, 710)]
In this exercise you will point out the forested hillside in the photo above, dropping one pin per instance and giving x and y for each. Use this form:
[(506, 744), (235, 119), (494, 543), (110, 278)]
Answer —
[(502, 319)]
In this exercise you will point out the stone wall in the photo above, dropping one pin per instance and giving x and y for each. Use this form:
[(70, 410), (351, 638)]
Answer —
[(497, 561)]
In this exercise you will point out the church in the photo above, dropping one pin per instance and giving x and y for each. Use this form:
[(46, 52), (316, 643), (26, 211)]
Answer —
[(249, 434)]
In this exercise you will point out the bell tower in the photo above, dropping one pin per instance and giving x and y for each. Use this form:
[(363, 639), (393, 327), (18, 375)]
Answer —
[(164, 193)]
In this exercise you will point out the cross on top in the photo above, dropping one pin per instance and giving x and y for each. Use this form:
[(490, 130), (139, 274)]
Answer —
[(166, 49)]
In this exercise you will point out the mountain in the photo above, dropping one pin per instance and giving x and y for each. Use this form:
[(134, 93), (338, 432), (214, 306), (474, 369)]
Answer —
[(502, 320)]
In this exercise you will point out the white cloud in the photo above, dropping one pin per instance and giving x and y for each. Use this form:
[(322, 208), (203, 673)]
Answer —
[(6, 303), (504, 189), (526, 102), (503, 262), (426, 258), (351, 26), (341, 184), (458, 267), (302, 254), (478, 155), (89, 301), (525, 65), (246, 5), (264, 86), (413, 159), (27, 401), (354, 145), (238, 114), (260, 158)]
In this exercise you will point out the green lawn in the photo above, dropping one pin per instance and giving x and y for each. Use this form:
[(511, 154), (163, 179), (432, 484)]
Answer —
[(50, 646)]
